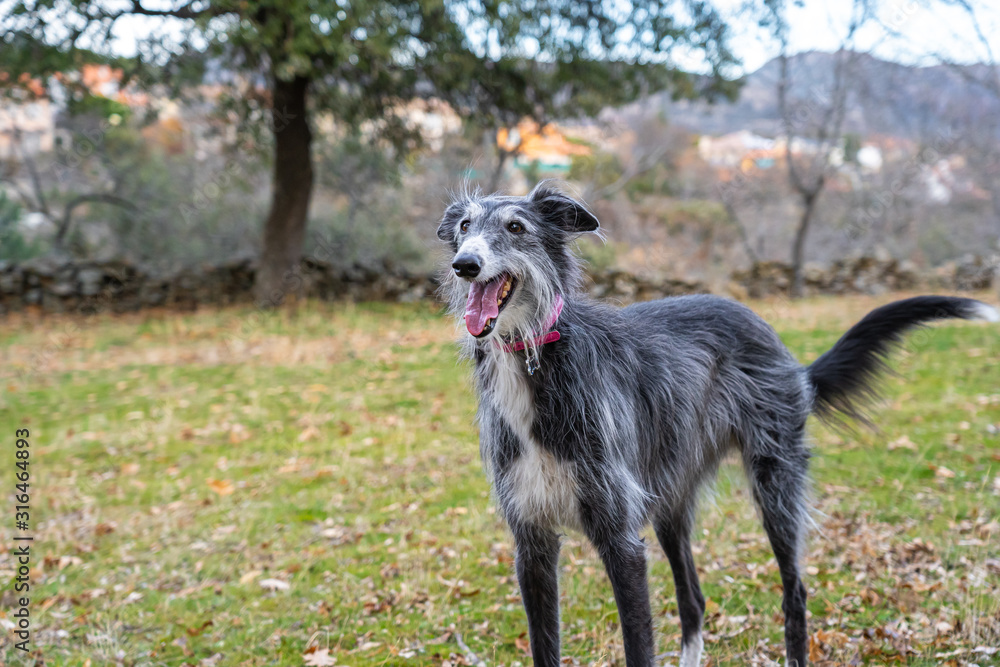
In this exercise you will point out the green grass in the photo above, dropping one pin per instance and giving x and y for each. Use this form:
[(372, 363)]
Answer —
[(179, 460)]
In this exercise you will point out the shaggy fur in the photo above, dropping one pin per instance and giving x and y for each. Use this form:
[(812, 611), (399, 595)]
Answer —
[(631, 411)]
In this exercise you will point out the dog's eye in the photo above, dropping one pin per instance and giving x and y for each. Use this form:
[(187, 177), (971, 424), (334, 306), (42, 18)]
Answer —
[(464, 226), (515, 227)]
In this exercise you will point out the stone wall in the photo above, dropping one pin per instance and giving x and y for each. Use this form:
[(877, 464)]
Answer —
[(865, 275), (83, 286), (55, 285), (869, 275)]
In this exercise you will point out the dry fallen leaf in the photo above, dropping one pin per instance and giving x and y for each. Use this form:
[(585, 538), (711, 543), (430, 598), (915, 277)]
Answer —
[(194, 632), (903, 442), (319, 658), (309, 433), (274, 585), (223, 487), (250, 576), (942, 472), (238, 433)]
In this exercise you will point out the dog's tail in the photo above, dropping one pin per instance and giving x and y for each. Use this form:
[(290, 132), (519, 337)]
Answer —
[(848, 370)]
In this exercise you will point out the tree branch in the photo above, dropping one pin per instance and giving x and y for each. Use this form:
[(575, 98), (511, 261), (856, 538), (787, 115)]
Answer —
[(9, 176), (36, 179), (641, 166), (832, 117), (786, 120), (186, 12), (742, 230), (75, 202), (992, 79), (984, 41)]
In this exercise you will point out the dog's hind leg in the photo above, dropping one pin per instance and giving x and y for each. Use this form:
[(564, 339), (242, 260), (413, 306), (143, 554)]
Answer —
[(779, 487), (673, 530), (537, 561)]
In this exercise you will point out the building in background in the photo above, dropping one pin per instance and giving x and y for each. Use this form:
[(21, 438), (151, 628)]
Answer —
[(546, 149)]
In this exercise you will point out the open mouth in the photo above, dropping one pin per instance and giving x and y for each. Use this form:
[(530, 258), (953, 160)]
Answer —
[(486, 300)]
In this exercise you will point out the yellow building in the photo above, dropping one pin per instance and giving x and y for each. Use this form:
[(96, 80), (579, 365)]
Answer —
[(547, 146)]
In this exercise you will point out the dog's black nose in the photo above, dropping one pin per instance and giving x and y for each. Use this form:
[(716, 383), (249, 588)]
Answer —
[(466, 266)]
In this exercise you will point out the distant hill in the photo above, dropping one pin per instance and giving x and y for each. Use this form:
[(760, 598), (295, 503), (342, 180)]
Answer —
[(887, 98)]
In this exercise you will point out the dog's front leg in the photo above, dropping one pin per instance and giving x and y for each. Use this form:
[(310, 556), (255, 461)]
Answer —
[(537, 560), (626, 566), (624, 556)]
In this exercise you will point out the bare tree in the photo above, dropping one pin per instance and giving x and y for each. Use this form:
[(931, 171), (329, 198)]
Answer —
[(655, 144), (727, 194), (38, 194), (505, 151), (987, 74), (812, 125), (980, 132), (975, 132)]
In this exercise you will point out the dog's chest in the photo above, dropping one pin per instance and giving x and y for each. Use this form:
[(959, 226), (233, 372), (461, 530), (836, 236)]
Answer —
[(536, 486)]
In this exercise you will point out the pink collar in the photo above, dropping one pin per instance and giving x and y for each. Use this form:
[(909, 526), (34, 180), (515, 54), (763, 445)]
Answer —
[(541, 339)]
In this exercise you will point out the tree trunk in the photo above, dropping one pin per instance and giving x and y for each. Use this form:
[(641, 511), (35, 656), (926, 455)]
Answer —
[(278, 273), (798, 247), (497, 175), (492, 140), (742, 231), (995, 200)]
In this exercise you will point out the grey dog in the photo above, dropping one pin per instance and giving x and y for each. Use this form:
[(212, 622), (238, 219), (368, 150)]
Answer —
[(604, 419)]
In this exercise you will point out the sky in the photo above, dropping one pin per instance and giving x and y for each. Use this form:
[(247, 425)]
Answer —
[(920, 32), (913, 32)]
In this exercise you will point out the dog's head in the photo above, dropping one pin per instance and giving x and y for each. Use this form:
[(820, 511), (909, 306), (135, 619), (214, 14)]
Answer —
[(511, 258)]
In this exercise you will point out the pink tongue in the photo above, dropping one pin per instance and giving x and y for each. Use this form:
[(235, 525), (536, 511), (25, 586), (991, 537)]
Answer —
[(482, 305)]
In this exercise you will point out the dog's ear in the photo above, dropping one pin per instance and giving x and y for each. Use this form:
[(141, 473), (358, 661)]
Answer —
[(446, 230), (569, 214)]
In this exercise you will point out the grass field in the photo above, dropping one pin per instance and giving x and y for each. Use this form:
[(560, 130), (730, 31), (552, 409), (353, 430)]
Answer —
[(237, 488)]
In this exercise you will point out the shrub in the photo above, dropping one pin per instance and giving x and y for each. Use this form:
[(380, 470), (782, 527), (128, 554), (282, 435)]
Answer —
[(599, 255), (599, 169), (374, 237), (13, 245)]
